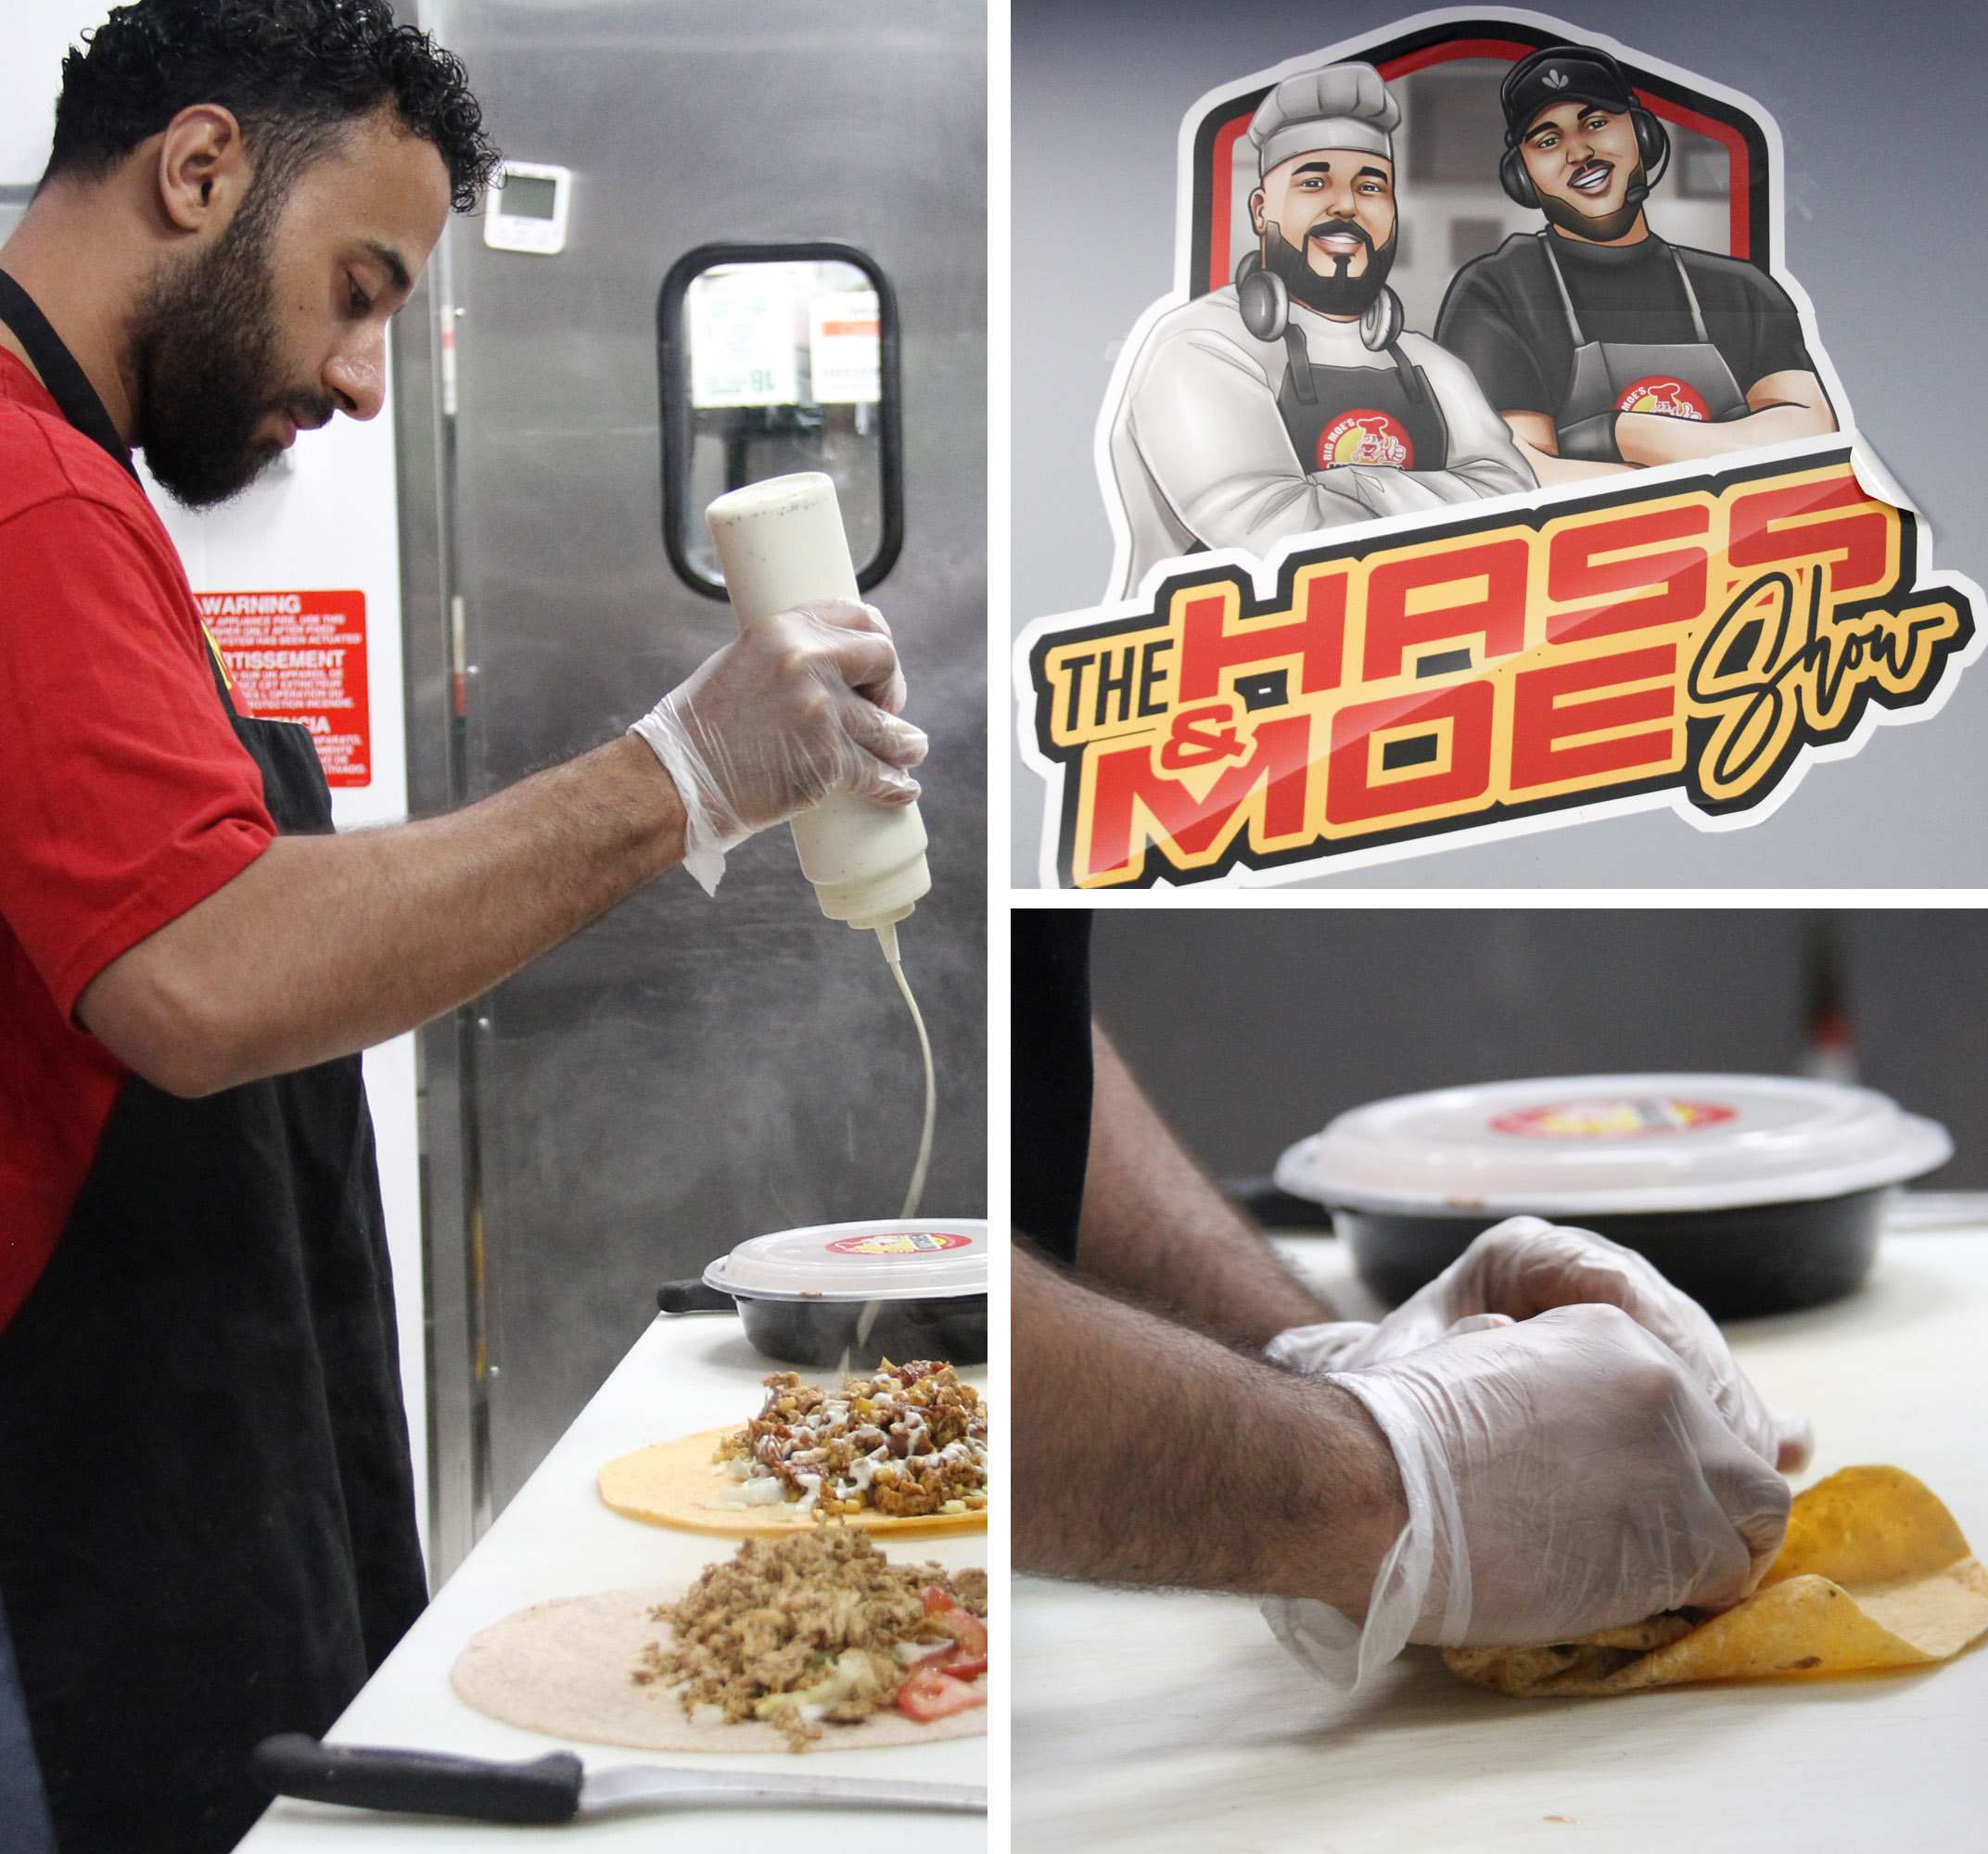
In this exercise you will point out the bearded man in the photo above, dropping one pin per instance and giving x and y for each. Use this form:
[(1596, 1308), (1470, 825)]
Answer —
[(1293, 400), (1605, 347), (206, 1516)]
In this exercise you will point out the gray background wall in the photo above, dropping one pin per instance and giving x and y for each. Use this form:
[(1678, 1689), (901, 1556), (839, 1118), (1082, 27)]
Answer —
[(1890, 240), (1252, 1027)]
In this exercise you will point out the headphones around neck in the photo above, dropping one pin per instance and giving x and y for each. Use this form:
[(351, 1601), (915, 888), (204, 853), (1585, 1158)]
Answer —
[(1265, 304), (1653, 140)]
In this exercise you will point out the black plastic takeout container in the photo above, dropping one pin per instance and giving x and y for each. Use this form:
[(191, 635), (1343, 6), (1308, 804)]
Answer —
[(848, 1296), (1755, 1194)]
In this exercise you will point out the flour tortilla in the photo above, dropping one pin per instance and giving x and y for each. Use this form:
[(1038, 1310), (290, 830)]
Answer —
[(1874, 1573), (567, 1669), (674, 1484)]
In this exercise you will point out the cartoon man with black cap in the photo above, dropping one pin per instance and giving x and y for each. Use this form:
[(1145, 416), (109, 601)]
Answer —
[(1605, 347), (1292, 399)]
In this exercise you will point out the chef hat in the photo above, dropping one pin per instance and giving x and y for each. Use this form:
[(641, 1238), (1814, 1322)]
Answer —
[(1338, 105)]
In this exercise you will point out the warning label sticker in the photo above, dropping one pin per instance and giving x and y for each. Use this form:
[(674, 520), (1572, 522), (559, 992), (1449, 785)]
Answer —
[(301, 656)]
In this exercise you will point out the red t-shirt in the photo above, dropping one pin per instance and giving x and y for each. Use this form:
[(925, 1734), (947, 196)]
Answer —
[(124, 796)]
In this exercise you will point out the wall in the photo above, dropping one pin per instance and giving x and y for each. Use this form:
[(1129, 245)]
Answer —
[(1253, 1028)]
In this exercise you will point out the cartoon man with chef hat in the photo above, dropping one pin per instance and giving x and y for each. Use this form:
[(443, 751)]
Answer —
[(1293, 400), (1604, 346)]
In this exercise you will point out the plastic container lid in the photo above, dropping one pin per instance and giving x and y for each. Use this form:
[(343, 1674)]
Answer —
[(920, 1258), (1592, 1145)]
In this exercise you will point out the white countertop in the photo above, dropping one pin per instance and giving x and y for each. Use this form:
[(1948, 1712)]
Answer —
[(556, 1538), (1175, 1721)]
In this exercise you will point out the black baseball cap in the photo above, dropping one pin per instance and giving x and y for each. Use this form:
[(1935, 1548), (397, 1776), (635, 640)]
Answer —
[(1561, 74)]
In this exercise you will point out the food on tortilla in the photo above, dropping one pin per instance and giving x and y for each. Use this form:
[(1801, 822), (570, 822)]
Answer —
[(821, 1629), (904, 1450), (1874, 1573)]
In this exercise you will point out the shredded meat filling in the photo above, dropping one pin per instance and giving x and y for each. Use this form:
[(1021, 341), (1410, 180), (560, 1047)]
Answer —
[(801, 1631), (909, 1440)]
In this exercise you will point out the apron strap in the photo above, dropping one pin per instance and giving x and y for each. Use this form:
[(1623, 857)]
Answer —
[(1566, 301), (1690, 296), (78, 401), (68, 385), (1300, 353), (1411, 377)]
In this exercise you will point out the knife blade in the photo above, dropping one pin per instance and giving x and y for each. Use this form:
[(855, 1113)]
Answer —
[(558, 1788)]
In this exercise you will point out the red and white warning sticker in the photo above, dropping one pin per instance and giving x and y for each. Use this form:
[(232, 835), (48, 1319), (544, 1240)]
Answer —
[(301, 656)]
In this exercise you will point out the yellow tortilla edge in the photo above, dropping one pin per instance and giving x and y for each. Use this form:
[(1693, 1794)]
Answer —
[(671, 1484), (1882, 1530)]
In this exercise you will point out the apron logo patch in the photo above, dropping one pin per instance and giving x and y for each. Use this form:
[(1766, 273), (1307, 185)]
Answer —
[(1694, 644), (1667, 397), (1365, 436)]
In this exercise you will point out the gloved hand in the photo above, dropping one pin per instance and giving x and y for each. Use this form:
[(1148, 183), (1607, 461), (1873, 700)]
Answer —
[(1562, 1474), (1522, 1267), (803, 703)]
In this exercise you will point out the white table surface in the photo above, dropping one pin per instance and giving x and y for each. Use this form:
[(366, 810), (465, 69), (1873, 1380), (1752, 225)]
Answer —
[(556, 1538), (1175, 1721)]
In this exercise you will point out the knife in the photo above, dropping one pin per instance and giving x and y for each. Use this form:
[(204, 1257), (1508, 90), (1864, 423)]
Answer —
[(558, 1788)]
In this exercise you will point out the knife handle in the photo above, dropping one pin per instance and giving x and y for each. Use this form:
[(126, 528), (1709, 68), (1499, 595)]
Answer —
[(421, 1783)]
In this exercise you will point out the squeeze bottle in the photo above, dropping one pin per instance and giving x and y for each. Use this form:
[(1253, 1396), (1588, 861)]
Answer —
[(781, 544)]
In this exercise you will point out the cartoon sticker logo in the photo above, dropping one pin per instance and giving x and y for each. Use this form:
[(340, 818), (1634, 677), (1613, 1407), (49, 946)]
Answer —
[(1612, 1119), (1668, 398), (900, 1242), (1629, 553), (1365, 436)]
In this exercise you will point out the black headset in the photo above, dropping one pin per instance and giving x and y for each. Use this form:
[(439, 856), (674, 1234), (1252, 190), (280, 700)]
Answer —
[(1653, 140)]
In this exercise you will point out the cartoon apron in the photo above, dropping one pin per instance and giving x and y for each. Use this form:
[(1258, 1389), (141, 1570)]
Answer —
[(1361, 414), (1679, 379), (207, 1518)]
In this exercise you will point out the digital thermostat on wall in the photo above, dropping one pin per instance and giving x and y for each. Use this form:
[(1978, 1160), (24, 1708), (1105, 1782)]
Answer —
[(526, 208)]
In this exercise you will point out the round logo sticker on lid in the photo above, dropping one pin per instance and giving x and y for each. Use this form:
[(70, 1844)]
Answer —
[(1612, 1119), (1667, 397), (1365, 435), (901, 1243)]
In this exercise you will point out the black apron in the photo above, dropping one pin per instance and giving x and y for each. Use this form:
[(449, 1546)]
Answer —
[(206, 1516), (1361, 414), (1678, 379)]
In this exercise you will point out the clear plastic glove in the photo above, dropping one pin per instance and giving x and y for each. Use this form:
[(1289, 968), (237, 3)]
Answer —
[(1563, 1474), (803, 703), (1523, 1267)]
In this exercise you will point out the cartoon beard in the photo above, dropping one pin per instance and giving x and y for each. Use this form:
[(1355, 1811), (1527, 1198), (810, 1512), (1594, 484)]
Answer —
[(1599, 228), (1334, 294)]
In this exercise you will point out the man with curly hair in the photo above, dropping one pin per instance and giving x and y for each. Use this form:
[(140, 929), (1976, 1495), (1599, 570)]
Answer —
[(207, 1516)]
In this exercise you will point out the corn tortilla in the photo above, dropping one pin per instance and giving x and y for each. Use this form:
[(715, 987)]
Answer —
[(567, 1669), (679, 1484), (1874, 1573)]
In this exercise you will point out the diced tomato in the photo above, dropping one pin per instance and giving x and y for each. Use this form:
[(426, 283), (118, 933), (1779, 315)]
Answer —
[(964, 1666), (929, 1695), (963, 1625), (966, 1628)]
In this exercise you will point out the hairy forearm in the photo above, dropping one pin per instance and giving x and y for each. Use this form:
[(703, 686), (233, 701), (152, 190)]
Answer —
[(328, 945), (1650, 438), (1153, 1224), (1147, 1453)]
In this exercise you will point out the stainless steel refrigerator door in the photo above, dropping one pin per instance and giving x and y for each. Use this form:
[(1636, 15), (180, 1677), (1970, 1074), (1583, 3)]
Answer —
[(688, 1072)]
